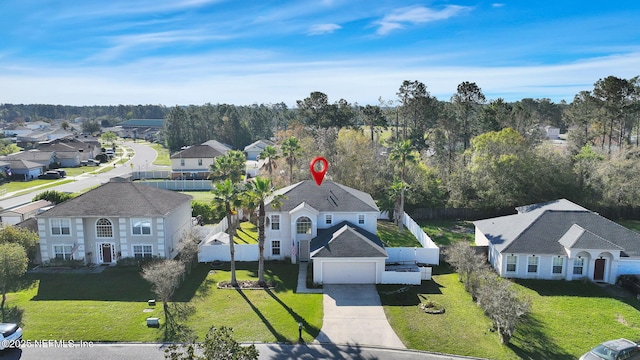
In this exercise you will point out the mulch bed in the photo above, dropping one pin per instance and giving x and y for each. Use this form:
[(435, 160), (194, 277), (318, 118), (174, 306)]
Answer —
[(246, 285)]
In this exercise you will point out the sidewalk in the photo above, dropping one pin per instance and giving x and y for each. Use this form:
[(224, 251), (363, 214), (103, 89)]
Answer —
[(98, 169), (302, 281)]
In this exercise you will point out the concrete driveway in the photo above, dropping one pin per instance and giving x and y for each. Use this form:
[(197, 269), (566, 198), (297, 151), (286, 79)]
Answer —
[(353, 314)]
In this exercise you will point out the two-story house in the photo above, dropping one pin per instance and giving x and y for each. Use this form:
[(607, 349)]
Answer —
[(332, 225), (194, 161), (116, 220)]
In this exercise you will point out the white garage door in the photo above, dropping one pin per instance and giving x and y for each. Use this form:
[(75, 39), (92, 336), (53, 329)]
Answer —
[(349, 273)]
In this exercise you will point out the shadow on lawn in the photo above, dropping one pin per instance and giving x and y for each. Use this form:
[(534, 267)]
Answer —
[(310, 329), (279, 337), (407, 295), (12, 314), (113, 284), (564, 288), (531, 342), (174, 329)]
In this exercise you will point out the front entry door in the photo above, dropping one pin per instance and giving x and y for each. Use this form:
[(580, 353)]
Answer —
[(105, 250), (304, 250), (598, 271)]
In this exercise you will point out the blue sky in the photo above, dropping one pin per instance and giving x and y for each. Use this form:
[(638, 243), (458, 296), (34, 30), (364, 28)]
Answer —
[(243, 52)]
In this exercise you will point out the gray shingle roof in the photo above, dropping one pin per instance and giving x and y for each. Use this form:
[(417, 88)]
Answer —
[(541, 232), (347, 240), (123, 199), (329, 196), (197, 151), (579, 238)]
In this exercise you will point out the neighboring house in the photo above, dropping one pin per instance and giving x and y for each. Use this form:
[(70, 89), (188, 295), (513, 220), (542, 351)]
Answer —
[(116, 220), (13, 130), (23, 169), (87, 148), (66, 154), (552, 132), (44, 158), (312, 219), (254, 149), (223, 148), (21, 213), (142, 128), (195, 161), (559, 240)]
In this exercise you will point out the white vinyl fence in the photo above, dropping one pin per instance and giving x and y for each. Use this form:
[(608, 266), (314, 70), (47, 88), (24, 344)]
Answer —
[(220, 252)]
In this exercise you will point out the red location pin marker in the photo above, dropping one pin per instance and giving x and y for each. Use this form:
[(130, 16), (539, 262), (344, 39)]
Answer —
[(318, 175)]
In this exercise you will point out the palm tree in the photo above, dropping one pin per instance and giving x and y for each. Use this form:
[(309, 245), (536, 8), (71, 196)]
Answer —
[(403, 153), (230, 166), (291, 149), (270, 155), (227, 194), (258, 191)]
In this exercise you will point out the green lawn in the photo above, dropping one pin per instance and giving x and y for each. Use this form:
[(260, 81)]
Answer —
[(447, 232), (630, 224), (567, 319), (247, 233), (163, 157), (200, 196), (110, 306), (389, 234)]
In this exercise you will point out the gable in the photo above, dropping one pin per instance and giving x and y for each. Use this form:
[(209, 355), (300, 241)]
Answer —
[(347, 240)]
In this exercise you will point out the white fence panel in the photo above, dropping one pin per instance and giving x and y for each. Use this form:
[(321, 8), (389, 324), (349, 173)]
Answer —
[(221, 252), (414, 255), (180, 185), (415, 229), (405, 278)]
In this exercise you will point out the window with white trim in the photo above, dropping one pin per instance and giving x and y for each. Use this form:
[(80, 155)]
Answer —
[(141, 226), (181, 162), (532, 264), (275, 247), (328, 219), (578, 266), (361, 219), (275, 222), (142, 251), (60, 226), (104, 228), (303, 225), (63, 252), (558, 265), (512, 263), (199, 162)]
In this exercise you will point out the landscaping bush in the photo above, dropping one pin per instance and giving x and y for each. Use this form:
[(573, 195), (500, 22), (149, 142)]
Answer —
[(74, 264)]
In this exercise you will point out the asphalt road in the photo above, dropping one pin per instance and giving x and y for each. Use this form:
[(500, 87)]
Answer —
[(142, 160), (77, 351)]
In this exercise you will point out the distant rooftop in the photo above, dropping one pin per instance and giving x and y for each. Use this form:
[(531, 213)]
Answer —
[(146, 123)]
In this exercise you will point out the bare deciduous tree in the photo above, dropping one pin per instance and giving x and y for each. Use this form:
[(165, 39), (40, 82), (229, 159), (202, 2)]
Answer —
[(503, 306), (188, 248), (165, 277)]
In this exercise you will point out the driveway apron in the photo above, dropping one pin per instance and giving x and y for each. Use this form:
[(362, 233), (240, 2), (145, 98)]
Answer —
[(353, 314)]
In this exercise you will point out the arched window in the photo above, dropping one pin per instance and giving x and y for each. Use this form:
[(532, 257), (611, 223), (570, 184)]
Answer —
[(303, 225), (104, 229)]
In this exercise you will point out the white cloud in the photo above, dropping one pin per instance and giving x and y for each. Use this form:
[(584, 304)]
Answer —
[(319, 29), (497, 5), (252, 77), (416, 15)]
